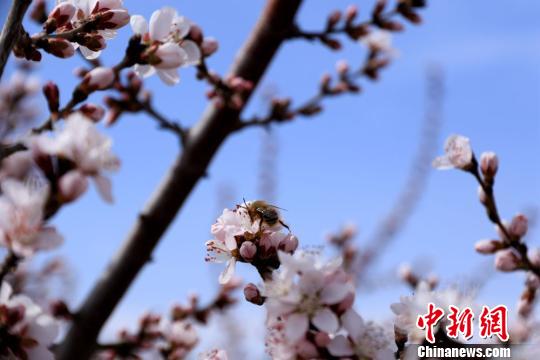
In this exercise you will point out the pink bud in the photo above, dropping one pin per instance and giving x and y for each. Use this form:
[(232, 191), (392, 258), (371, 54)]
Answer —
[(534, 257), (52, 94), (351, 12), (252, 294), (72, 185), (289, 243), (482, 195), (103, 5), (506, 260), (63, 13), (168, 56), (114, 19), (342, 67), (519, 225), (248, 250), (489, 163), (100, 78), (488, 246), (333, 19), (59, 47), (93, 111), (533, 280), (209, 46)]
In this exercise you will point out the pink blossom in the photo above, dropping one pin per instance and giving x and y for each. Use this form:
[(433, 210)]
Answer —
[(63, 13), (458, 154), (488, 246), (72, 185), (22, 228)]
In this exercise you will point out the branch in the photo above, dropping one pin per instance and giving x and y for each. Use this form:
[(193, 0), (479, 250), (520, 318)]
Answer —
[(202, 143), (10, 263), (12, 30)]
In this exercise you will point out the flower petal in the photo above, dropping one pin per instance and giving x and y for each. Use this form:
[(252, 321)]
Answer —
[(193, 52), (169, 76), (334, 292), (89, 54), (144, 70), (228, 273), (353, 323), (160, 23), (326, 320), (104, 188), (340, 346), (296, 326), (139, 25)]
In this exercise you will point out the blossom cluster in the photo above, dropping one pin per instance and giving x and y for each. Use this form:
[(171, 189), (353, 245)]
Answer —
[(27, 331)]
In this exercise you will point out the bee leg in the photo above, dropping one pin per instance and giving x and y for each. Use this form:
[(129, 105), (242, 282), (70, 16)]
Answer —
[(285, 225)]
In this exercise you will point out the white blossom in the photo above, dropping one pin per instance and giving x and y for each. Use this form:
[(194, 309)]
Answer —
[(410, 307), (458, 154), (215, 354), (31, 330), (379, 41), (168, 47), (81, 142), (303, 292), (22, 228)]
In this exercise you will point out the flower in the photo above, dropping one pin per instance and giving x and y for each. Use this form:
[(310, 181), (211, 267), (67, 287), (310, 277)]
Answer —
[(30, 332), (181, 337), (109, 15), (90, 151), (168, 48), (379, 41), (304, 291), (365, 340), (410, 307), (458, 154), (22, 228)]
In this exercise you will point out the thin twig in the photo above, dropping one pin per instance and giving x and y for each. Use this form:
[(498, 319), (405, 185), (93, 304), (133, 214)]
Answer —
[(11, 261), (12, 30)]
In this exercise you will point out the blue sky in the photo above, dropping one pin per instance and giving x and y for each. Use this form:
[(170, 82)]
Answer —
[(346, 165)]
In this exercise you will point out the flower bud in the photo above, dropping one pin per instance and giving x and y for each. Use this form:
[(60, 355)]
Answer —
[(524, 307), (92, 111), (248, 250), (534, 257), (62, 13), (350, 13), (488, 246), (533, 280), (113, 19), (288, 244), (489, 163), (482, 195), (60, 310), (52, 94), (506, 260), (104, 5), (196, 34), (519, 225), (100, 78), (333, 19), (342, 67), (93, 42), (253, 295), (209, 46), (59, 47), (72, 185)]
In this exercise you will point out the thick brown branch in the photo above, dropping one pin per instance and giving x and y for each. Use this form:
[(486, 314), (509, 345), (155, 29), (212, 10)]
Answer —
[(12, 29), (202, 143)]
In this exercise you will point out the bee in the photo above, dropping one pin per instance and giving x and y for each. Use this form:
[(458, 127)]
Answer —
[(265, 213)]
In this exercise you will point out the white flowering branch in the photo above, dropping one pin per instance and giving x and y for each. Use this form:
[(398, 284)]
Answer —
[(12, 30)]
